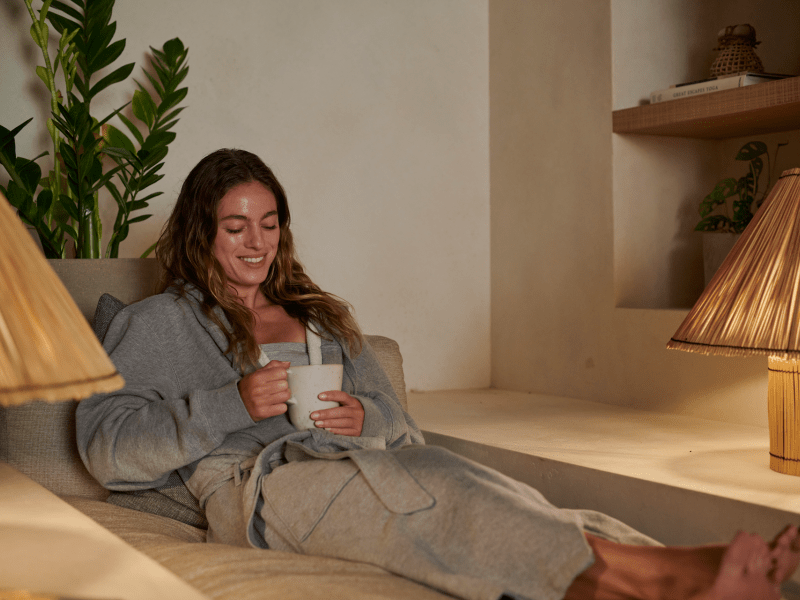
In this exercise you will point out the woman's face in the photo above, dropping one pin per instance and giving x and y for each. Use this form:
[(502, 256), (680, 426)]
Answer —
[(247, 235)]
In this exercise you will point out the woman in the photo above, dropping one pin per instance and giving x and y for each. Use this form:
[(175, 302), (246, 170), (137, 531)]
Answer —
[(205, 365)]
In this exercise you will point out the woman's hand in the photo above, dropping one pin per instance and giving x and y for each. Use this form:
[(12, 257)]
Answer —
[(266, 390), (347, 419)]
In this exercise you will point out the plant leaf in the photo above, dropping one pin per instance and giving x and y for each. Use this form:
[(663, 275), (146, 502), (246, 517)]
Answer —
[(116, 138), (115, 194), (69, 206), (144, 108), (721, 192), (30, 173), (43, 202), (751, 150), (149, 250), (36, 34), (151, 196), (107, 55), (173, 49), (17, 196), (42, 73), (157, 140), (132, 128), (715, 223), (155, 83), (148, 181), (120, 74), (172, 99), (7, 140), (65, 9)]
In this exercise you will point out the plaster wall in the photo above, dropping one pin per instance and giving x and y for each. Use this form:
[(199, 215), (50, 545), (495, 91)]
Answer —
[(374, 115), (592, 265)]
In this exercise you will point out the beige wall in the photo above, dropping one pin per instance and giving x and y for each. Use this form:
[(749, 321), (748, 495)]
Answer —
[(375, 117), (552, 227), (593, 262)]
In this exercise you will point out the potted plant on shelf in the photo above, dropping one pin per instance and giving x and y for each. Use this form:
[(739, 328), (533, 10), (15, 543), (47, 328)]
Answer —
[(90, 155), (730, 206)]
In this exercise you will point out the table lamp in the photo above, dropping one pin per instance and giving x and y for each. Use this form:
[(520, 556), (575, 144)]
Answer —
[(47, 349), (752, 306)]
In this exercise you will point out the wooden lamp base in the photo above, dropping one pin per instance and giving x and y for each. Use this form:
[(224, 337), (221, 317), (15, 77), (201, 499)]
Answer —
[(784, 416)]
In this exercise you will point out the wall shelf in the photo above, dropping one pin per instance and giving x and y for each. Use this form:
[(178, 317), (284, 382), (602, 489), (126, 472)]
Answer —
[(754, 109)]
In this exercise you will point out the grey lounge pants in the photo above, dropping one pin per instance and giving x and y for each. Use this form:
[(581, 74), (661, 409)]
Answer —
[(421, 512)]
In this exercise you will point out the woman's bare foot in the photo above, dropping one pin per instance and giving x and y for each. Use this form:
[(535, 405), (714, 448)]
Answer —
[(785, 553), (751, 569), (747, 569), (744, 572)]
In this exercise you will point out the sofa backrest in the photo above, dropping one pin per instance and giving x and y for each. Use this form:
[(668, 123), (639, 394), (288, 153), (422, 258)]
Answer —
[(38, 438)]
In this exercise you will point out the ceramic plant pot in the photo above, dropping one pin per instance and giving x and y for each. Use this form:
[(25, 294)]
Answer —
[(716, 247)]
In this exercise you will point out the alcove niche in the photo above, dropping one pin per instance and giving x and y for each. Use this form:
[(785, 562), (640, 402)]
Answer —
[(659, 180)]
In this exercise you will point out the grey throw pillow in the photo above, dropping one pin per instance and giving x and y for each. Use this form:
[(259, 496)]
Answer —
[(107, 308)]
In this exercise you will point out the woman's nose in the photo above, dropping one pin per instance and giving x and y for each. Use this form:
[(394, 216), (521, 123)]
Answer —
[(255, 238)]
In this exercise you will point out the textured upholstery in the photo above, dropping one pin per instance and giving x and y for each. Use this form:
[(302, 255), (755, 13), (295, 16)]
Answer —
[(38, 439), (228, 572)]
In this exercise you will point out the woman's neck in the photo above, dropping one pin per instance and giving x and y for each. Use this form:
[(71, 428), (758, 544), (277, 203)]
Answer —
[(250, 296)]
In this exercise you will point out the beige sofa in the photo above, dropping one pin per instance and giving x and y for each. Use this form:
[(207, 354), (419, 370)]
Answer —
[(38, 439)]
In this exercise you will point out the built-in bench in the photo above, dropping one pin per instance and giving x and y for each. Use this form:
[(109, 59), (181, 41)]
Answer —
[(681, 480)]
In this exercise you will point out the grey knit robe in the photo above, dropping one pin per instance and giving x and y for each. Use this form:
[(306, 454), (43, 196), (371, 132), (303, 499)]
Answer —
[(383, 497)]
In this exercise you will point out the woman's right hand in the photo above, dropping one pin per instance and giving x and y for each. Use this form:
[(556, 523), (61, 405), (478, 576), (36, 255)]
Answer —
[(266, 390)]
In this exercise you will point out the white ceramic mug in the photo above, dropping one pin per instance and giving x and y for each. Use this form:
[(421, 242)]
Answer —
[(306, 382)]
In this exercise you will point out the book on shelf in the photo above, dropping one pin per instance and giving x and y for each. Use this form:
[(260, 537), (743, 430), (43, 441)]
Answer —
[(714, 84)]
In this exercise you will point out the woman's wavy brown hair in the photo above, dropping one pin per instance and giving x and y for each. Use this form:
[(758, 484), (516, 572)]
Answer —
[(185, 252)]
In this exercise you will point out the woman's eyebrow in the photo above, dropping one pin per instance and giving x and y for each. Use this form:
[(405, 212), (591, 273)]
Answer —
[(243, 218)]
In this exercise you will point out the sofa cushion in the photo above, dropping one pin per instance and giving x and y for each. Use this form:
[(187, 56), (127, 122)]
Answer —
[(38, 439), (107, 308), (226, 572), (171, 500)]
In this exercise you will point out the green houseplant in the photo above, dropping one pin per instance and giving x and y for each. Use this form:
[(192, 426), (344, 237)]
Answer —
[(721, 215), (91, 154), (729, 208)]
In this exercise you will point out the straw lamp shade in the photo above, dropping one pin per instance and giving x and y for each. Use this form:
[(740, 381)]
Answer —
[(47, 349), (752, 306)]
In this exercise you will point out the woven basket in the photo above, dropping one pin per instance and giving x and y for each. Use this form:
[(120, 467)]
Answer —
[(736, 58), (736, 45)]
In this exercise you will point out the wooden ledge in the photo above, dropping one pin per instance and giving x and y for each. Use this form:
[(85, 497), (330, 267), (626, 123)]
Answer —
[(679, 479)]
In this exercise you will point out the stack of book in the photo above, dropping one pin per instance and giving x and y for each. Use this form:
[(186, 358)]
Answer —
[(714, 84)]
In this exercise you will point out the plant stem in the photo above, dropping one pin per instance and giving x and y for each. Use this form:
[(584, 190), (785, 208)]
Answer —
[(55, 175)]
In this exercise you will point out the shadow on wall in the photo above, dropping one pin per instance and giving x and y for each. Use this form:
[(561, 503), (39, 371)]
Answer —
[(685, 281)]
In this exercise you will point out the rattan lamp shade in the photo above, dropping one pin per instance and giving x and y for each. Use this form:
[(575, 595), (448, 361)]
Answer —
[(752, 306), (47, 349)]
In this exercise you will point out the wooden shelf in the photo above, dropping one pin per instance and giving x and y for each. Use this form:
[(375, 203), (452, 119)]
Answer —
[(754, 109)]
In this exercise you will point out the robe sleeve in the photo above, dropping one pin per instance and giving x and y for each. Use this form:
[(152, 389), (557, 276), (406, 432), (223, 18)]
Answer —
[(383, 414), (134, 438)]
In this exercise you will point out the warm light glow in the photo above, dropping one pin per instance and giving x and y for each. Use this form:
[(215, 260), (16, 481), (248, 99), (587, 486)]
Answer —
[(752, 305), (47, 349)]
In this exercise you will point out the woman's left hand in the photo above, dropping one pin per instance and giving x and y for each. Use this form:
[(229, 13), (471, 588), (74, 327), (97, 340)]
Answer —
[(347, 419)]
